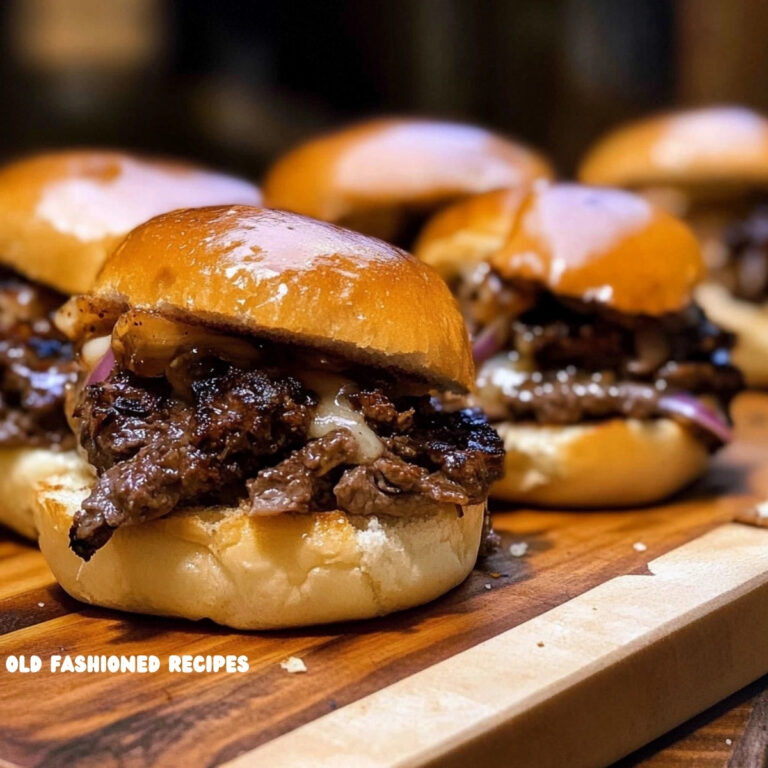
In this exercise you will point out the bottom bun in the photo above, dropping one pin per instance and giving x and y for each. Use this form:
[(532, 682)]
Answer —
[(615, 463), (21, 469), (261, 572), (750, 324)]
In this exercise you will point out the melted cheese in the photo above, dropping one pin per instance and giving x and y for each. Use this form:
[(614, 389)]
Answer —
[(334, 412), (93, 350), (497, 378), (504, 372)]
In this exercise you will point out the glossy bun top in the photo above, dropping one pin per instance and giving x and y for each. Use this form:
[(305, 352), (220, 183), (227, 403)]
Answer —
[(602, 245), (293, 279), (699, 147), (468, 231), (61, 213), (386, 165)]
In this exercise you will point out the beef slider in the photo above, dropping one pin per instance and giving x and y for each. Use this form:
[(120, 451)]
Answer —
[(709, 166), (272, 430), (608, 383)]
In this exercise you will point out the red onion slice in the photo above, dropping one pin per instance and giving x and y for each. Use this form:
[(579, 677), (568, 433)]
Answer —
[(487, 343), (102, 368), (692, 409)]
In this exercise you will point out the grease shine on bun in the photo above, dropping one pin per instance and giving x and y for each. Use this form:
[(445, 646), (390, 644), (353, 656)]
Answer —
[(602, 245), (62, 213), (292, 279), (373, 175), (711, 147)]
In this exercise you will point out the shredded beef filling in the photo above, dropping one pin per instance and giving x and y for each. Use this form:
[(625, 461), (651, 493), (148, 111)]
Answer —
[(36, 363), (228, 433), (586, 361), (745, 272)]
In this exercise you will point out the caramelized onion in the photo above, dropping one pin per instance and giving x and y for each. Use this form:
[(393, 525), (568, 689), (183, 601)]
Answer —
[(651, 349), (146, 343), (83, 317)]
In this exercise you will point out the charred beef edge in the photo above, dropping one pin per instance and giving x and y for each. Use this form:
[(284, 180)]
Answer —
[(234, 430)]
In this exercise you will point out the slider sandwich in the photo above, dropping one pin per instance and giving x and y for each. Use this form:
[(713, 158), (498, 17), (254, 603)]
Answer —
[(710, 167), (607, 382), (60, 215), (385, 176), (267, 408)]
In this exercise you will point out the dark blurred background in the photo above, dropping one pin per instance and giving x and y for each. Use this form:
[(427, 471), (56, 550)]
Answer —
[(234, 83)]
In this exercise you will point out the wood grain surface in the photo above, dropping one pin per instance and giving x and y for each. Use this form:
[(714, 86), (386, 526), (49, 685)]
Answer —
[(165, 719), (731, 734)]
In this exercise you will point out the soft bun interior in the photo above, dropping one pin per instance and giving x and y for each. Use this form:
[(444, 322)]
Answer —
[(261, 573), (614, 463), (21, 469)]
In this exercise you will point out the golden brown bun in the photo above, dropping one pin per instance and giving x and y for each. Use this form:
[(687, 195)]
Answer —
[(356, 175), (615, 463), (699, 147), (750, 324), (291, 278), (468, 231), (602, 245), (261, 573), (62, 213), (21, 469)]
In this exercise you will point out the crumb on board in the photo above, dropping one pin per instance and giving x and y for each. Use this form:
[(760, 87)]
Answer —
[(757, 515), (487, 586), (41, 605), (638, 546), (293, 665), (729, 742), (518, 549), (540, 644)]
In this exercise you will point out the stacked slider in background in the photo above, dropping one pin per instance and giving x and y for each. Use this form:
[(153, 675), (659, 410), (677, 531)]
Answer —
[(61, 213), (605, 379), (709, 166), (271, 426), (384, 177)]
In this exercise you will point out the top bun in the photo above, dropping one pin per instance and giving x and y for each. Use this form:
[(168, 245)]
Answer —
[(286, 277), (715, 146), (602, 245), (468, 231), (396, 163), (62, 213)]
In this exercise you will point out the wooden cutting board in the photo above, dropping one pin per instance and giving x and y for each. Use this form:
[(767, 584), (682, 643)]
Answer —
[(609, 629)]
